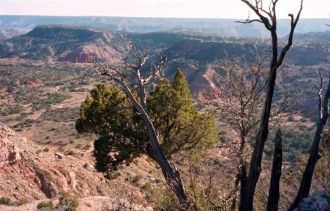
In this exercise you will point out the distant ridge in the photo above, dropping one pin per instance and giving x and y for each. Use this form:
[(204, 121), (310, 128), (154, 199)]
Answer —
[(8, 33), (218, 27), (86, 44), (62, 43), (314, 36)]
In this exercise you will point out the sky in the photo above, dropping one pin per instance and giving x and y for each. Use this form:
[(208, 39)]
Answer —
[(156, 8)]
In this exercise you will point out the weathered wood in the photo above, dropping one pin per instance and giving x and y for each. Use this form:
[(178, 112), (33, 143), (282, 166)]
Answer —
[(269, 19), (274, 188), (243, 186), (171, 175)]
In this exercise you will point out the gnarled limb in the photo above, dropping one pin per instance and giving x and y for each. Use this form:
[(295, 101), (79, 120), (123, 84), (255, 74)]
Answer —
[(132, 71)]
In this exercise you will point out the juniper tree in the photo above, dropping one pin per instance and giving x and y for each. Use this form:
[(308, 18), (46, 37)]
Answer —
[(107, 113), (180, 128)]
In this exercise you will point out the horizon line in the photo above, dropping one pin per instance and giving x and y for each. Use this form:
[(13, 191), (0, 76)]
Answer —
[(144, 17)]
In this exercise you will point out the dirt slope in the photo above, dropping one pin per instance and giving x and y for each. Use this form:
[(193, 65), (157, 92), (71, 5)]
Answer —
[(30, 172)]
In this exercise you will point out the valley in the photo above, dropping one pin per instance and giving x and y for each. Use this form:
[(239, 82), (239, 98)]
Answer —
[(46, 74)]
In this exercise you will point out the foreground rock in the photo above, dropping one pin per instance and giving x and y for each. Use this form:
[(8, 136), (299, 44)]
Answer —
[(319, 201), (30, 172)]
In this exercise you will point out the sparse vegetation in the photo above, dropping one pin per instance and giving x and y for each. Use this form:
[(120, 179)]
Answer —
[(140, 113), (5, 200), (46, 206), (295, 143), (68, 202), (22, 201), (46, 182)]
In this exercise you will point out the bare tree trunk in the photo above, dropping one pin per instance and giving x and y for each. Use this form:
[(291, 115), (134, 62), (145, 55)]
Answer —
[(240, 173), (243, 187), (270, 23), (314, 156), (274, 188), (255, 164), (233, 195), (233, 202), (172, 176)]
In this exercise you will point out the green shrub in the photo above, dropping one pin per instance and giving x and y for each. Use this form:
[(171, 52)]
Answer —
[(22, 201), (122, 133), (4, 200), (294, 143), (46, 206), (163, 199), (136, 179), (68, 202)]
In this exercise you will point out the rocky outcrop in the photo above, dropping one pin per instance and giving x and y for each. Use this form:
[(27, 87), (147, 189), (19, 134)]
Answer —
[(319, 201), (9, 153), (91, 53), (202, 81), (32, 172), (210, 51), (29, 171), (18, 164), (65, 44)]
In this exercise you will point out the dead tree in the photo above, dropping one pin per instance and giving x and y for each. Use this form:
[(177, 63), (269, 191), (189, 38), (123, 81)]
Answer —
[(242, 91), (129, 78), (306, 181), (268, 18), (274, 188), (242, 95)]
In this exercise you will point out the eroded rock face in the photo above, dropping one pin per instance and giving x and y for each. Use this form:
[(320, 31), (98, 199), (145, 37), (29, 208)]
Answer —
[(203, 82), (30, 172), (91, 53), (9, 152), (27, 173), (63, 43)]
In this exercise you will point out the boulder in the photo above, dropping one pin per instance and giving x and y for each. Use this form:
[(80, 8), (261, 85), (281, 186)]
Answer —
[(319, 201)]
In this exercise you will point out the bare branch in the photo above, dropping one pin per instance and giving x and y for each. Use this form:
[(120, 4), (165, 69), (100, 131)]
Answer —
[(276, 61), (255, 8), (171, 175), (294, 22), (320, 94), (157, 70), (249, 21)]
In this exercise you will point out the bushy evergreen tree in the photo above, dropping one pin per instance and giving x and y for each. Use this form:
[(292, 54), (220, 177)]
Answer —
[(122, 136), (108, 114), (180, 125)]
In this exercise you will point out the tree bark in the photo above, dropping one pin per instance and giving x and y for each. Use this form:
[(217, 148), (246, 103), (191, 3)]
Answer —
[(255, 164), (241, 173), (314, 156), (243, 186), (274, 189), (270, 23), (172, 176)]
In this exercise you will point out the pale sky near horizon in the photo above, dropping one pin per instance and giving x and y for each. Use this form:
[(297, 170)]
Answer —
[(156, 8)]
